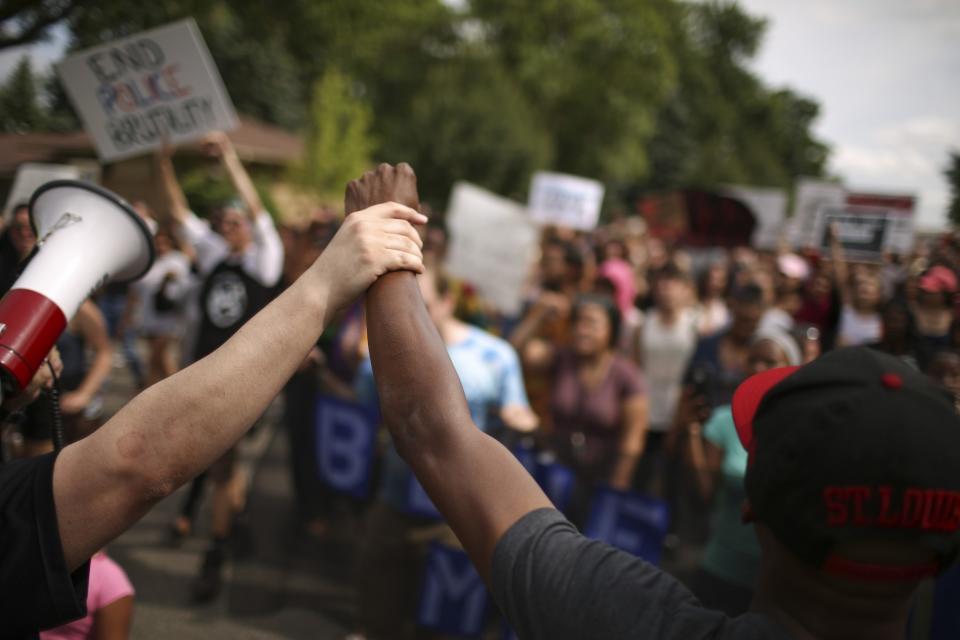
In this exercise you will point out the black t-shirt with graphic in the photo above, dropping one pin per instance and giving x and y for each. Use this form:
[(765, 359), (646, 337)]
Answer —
[(553, 583), (36, 589), (228, 299)]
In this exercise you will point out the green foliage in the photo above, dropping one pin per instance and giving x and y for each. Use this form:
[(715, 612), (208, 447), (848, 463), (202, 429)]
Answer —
[(471, 121), (721, 124), (338, 144), (952, 174), (637, 93), (20, 106)]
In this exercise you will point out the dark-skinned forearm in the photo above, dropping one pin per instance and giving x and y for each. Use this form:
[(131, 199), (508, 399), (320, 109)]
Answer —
[(477, 484), (420, 394)]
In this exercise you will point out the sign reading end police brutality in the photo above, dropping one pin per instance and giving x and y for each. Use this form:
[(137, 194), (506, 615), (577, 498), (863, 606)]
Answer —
[(134, 92)]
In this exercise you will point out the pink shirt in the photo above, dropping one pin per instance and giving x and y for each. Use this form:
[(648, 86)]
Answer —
[(108, 583)]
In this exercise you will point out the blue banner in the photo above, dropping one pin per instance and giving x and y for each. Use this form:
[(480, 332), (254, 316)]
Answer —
[(418, 502), (629, 521), (555, 479), (453, 598), (346, 435)]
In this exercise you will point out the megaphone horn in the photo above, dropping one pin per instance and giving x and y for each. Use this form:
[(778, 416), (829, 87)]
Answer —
[(87, 237)]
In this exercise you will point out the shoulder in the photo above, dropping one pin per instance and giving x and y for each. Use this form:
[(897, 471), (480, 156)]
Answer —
[(552, 582)]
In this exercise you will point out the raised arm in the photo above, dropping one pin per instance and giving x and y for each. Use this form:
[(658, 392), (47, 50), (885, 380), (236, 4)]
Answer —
[(221, 145), (173, 194), (841, 273), (178, 427), (477, 484)]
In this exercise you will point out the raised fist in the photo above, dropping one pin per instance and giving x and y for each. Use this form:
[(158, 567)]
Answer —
[(386, 184)]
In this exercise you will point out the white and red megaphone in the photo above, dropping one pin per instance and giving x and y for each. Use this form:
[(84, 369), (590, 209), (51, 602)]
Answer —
[(86, 237)]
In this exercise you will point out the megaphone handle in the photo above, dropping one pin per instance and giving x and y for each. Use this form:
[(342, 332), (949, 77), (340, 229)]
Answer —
[(55, 413)]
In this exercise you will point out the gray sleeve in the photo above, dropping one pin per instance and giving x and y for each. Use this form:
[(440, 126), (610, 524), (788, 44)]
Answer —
[(551, 582)]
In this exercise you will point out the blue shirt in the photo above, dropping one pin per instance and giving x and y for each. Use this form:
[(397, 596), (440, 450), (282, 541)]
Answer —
[(489, 370)]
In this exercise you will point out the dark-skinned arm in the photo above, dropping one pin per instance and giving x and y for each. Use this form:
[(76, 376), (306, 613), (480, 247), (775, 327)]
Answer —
[(476, 483)]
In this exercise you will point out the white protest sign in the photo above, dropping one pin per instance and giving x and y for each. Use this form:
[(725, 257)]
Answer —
[(492, 245), (30, 176), (769, 208), (811, 196), (133, 92), (565, 200)]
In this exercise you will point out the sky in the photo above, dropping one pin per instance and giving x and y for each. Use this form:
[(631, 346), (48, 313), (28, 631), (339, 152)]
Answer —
[(885, 72), (887, 76)]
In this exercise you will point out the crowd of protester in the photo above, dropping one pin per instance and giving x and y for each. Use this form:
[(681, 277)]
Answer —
[(621, 366)]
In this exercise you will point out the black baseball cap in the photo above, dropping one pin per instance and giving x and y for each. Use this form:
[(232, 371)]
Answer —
[(854, 445)]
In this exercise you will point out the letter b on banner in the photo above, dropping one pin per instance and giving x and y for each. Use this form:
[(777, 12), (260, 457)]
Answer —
[(453, 599), (629, 521), (346, 433)]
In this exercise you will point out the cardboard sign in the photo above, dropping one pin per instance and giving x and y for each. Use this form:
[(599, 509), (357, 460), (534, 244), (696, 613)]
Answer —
[(30, 177), (346, 435), (862, 231), (453, 599), (565, 200), (134, 92), (811, 195), (769, 209), (631, 522), (887, 224), (492, 245)]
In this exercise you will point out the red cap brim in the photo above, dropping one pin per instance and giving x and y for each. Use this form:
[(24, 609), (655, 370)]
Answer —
[(749, 395)]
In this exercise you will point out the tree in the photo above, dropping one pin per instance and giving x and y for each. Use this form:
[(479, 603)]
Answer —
[(721, 124), (338, 142), (952, 174), (597, 72), (471, 121), (20, 107)]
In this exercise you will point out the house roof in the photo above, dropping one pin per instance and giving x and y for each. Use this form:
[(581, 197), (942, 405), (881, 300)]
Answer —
[(255, 141)]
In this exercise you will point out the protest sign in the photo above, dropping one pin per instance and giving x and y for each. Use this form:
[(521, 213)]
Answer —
[(453, 598), (32, 175), (887, 223), (898, 211), (629, 521), (134, 92), (346, 436), (862, 231), (810, 196), (565, 200), (769, 209), (492, 245)]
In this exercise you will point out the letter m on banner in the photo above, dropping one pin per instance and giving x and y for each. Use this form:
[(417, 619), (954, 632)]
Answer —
[(346, 434), (453, 599), (629, 521)]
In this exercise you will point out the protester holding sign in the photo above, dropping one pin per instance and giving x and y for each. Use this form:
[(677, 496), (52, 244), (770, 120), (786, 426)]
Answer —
[(844, 545), (239, 264)]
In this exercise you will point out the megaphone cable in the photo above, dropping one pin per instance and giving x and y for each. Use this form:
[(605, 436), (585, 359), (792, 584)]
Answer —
[(55, 414)]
